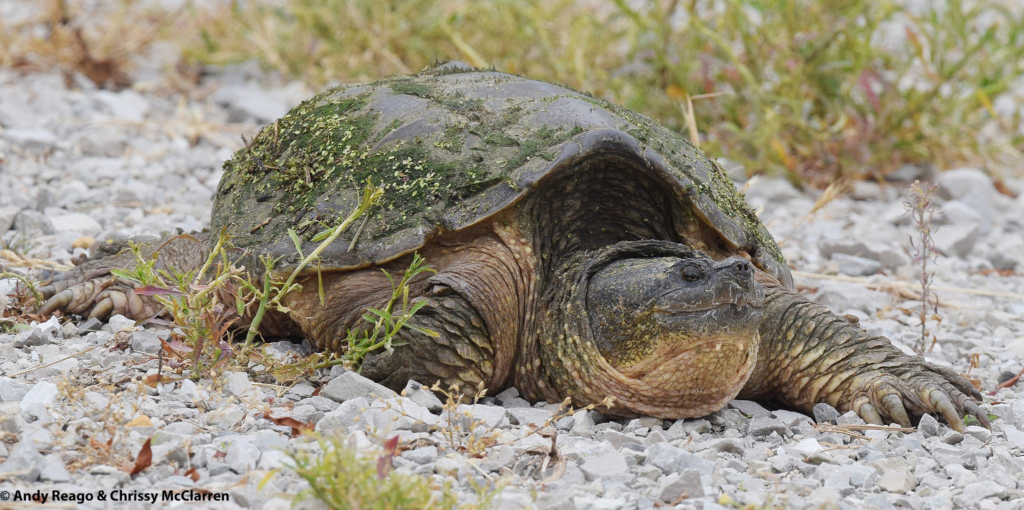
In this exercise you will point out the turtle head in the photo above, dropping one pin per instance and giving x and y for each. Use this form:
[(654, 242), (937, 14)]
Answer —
[(640, 306), (675, 333)]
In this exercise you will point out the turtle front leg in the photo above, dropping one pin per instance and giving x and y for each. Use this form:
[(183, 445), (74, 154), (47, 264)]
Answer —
[(461, 354), (809, 354), (91, 290)]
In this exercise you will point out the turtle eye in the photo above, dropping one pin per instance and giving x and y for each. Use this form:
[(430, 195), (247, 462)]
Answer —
[(692, 272)]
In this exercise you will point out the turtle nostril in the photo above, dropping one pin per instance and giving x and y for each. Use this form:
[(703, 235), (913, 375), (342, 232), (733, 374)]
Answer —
[(743, 266)]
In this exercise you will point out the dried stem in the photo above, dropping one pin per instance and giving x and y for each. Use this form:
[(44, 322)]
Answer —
[(922, 210)]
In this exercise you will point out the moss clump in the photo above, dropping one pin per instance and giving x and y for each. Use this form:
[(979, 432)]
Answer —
[(539, 144), (453, 138), (459, 104), (410, 88), (500, 139)]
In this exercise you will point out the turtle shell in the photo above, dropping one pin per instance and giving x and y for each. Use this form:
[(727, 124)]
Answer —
[(452, 146)]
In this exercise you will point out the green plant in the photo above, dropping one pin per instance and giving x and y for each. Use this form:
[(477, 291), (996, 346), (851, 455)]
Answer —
[(342, 479), (202, 304), (462, 431), (273, 291), (386, 322)]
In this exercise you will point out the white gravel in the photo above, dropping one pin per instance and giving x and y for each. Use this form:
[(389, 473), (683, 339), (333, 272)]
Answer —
[(82, 164)]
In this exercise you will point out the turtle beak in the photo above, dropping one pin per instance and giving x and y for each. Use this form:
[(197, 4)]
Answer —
[(734, 279)]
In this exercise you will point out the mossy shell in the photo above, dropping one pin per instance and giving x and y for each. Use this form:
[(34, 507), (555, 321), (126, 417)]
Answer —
[(453, 146)]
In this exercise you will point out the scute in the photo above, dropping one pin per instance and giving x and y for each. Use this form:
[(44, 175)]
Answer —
[(452, 146)]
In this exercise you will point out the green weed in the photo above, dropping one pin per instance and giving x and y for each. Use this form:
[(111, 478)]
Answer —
[(342, 479), (203, 304)]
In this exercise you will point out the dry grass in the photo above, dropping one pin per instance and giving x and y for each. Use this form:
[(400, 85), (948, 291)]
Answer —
[(101, 46), (802, 88), (809, 89)]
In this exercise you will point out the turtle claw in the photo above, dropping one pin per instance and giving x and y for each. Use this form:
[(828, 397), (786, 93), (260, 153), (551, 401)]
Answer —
[(97, 298), (102, 309), (893, 405), (55, 302), (903, 393), (870, 415), (941, 403), (972, 408), (48, 291)]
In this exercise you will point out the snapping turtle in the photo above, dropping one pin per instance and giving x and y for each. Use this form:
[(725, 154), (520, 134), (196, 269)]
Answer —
[(581, 251)]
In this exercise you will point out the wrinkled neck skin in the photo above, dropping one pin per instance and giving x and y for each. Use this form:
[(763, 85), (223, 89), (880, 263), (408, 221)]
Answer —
[(604, 202), (689, 374)]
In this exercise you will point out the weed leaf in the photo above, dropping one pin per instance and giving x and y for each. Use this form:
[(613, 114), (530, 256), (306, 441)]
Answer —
[(151, 290), (384, 461), (144, 459)]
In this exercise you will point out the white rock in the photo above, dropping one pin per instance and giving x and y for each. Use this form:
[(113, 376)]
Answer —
[(894, 476), (271, 440), (969, 185), (447, 466), (225, 417), (346, 416), (400, 413), (956, 240), (609, 464), (242, 456), (29, 222), (856, 266), (189, 388), (421, 455), (583, 423), (528, 416), (956, 212), (860, 475), (238, 384), (750, 408), (53, 471), (43, 392), (841, 295), (422, 396), (351, 385), (824, 497), (807, 446), (30, 139), (671, 459), (980, 433), (13, 391), (274, 459), (146, 342), (76, 223), (24, 462), (7, 215), (251, 101), (929, 426), (791, 418), (121, 323), (489, 416), (768, 189), (127, 104), (674, 486), (974, 493)]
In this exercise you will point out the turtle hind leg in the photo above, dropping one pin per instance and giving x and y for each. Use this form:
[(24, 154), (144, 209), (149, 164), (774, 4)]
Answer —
[(91, 289), (461, 354)]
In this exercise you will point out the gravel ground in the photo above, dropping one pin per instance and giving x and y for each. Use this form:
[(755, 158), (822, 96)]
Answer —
[(81, 164)]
